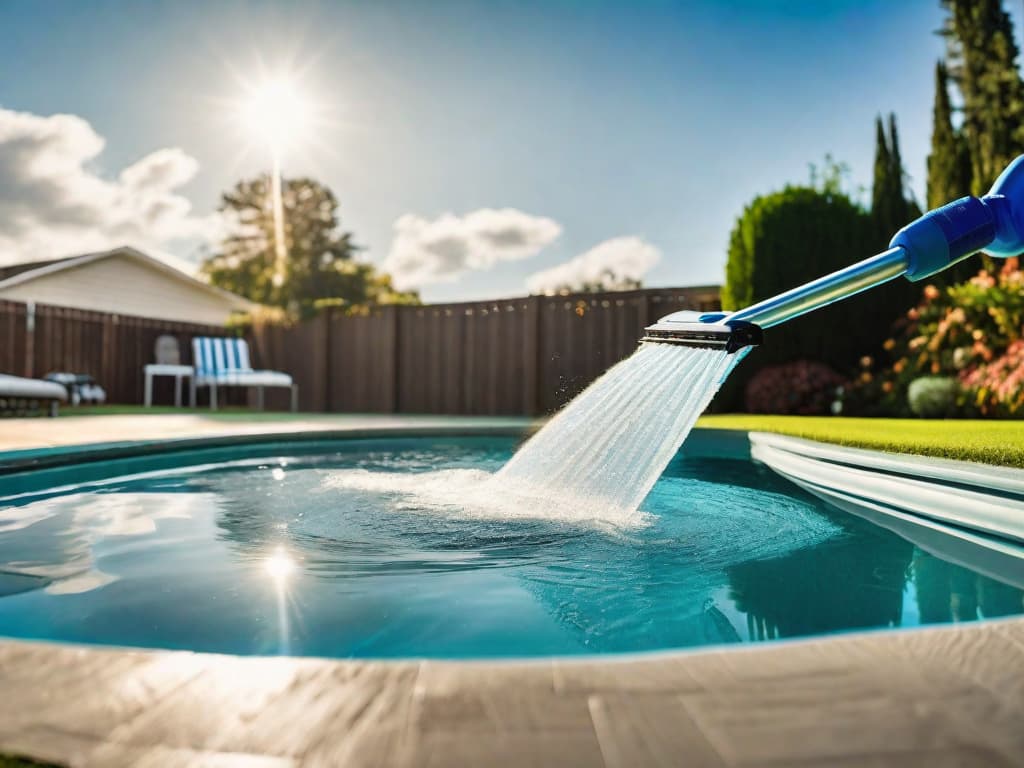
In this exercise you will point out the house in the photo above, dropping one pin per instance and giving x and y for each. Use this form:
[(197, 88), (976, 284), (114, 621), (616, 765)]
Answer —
[(121, 281)]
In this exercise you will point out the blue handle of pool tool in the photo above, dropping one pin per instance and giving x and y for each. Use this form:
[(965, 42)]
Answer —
[(993, 223), (1006, 200)]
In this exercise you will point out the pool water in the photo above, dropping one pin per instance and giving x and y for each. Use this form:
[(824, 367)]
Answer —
[(404, 548)]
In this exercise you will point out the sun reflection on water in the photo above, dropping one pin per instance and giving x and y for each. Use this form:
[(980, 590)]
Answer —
[(279, 565)]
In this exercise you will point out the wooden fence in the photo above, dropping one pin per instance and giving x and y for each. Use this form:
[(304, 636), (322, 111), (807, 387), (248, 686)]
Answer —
[(510, 357), (39, 339)]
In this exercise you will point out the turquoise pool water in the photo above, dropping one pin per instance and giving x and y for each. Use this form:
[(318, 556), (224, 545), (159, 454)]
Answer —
[(403, 548)]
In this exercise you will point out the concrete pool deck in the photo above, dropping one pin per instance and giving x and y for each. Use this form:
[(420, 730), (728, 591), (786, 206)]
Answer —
[(33, 433), (950, 695)]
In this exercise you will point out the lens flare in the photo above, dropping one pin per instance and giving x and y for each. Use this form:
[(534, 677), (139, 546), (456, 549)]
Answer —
[(277, 113)]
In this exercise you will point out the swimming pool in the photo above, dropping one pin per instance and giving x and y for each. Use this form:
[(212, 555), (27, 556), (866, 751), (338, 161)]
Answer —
[(399, 547)]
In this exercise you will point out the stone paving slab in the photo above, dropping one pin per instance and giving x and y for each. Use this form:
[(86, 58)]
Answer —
[(28, 434), (934, 697)]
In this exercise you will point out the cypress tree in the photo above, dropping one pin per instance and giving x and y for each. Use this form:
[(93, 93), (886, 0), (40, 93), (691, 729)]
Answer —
[(949, 164), (903, 203), (890, 208), (881, 184), (983, 63)]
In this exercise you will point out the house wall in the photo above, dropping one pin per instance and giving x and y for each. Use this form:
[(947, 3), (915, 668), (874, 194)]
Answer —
[(123, 285)]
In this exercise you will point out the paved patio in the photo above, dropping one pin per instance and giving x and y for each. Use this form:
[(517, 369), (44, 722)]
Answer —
[(936, 697), (941, 697), (30, 433)]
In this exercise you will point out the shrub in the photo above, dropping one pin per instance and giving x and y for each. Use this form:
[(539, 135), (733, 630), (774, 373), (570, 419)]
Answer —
[(961, 331), (803, 387), (786, 238), (997, 388), (933, 397)]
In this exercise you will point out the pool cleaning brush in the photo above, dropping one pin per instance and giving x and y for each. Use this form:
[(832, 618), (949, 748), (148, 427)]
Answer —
[(695, 329), (939, 239)]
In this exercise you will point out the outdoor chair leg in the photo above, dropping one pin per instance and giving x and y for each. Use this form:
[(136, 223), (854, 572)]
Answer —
[(192, 392), (213, 396), (148, 397), (259, 398), (177, 391), (295, 397), (54, 408)]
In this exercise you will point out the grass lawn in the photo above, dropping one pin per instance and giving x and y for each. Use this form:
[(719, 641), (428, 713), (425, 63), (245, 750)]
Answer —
[(988, 442)]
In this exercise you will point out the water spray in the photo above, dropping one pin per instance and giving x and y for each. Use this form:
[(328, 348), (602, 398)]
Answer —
[(936, 241)]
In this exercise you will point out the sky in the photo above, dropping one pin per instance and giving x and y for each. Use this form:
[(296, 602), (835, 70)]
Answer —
[(478, 149)]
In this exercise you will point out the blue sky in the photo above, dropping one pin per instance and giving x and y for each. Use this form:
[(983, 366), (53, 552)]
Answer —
[(649, 124)]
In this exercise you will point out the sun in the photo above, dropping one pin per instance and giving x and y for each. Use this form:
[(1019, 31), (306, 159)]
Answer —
[(277, 113)]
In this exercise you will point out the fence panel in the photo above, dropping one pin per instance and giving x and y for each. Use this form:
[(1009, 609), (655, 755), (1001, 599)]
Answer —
[(299, 350), (583, 335), (111, 348), (493, 371), (431, 347), (362, 359), (12, 338), (512, 356)]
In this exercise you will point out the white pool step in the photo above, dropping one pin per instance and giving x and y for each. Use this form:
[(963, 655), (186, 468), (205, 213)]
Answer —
[(975, 497)]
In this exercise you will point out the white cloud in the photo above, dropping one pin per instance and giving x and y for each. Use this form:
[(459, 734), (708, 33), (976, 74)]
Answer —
[(621, 258), (53, 203), (426, 251)]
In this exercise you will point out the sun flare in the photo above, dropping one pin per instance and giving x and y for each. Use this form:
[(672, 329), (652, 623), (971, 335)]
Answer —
[(277, 113)]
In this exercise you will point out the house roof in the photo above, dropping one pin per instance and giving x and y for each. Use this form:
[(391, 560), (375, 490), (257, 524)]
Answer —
[(10, 270), (16, 274)]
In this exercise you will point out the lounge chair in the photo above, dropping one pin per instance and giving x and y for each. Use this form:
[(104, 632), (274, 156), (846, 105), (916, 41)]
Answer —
[(18, 394), (222, 362)]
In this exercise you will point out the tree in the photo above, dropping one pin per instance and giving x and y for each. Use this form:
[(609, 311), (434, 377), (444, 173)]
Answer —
[(881, 186), (891, 207), (949, 163), (949, 169), (321, 266), (982, 57), (608, 280), (787, 238)]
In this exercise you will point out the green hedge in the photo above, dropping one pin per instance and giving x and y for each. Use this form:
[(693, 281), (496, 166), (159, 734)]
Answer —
[(785, 239)]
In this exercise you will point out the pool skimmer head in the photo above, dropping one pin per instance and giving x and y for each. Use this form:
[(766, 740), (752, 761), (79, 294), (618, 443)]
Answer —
[(697, 329)]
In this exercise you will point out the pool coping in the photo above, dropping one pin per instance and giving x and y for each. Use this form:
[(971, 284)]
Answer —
[(945, 695), (885, 697), (956, 494), (31, 459)]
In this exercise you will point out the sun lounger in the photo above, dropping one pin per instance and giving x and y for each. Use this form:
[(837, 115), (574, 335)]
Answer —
[(224, 362), (18, 394)]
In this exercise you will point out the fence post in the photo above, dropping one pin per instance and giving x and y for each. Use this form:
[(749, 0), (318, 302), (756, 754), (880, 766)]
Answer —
[(531, 356), (30, 339), (328, 357), (395, 381)]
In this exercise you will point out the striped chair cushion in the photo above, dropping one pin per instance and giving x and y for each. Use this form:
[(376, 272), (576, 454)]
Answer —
[(217, 357), (226, 361)]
